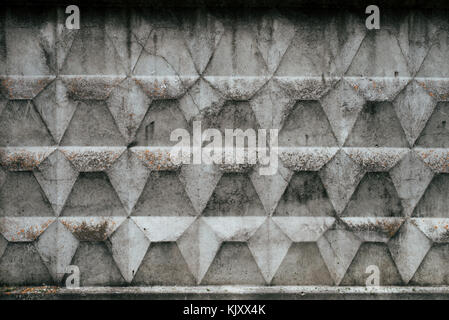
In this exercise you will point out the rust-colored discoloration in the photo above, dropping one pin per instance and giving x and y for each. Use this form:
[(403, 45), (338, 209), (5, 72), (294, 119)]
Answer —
[(22, 159), (159, 160), (16, 231), (377, 88), (39, 290), (23, 87), (154, 89), (92, 159), (436, 229), (438, 160), (28, 290), (383, 226), (436, 88), (33, 232), (430, 93), (307, 88), (92, 231), (6, 85), (91, 88)]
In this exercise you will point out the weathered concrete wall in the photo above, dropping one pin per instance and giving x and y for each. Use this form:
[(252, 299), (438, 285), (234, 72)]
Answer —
[(364, 129)]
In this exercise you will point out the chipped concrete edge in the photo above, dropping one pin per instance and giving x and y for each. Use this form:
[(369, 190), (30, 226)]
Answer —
[(225, 292)]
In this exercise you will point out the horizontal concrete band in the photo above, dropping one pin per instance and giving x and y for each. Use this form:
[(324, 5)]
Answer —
[(227, 292)]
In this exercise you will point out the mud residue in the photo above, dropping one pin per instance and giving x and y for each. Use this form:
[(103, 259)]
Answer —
[(386, 227), (159, 160), (89, 232), (22, 160)]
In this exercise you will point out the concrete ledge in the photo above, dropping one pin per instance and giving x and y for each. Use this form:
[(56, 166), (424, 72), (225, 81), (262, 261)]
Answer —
[(225, 292)]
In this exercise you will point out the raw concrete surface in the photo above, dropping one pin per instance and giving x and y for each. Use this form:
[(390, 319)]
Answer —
[(363, 177), (227, 292)]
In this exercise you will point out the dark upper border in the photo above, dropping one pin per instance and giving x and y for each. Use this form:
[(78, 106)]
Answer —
[(429, 4)]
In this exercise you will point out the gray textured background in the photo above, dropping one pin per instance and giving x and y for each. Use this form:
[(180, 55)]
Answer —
[(85, 119)]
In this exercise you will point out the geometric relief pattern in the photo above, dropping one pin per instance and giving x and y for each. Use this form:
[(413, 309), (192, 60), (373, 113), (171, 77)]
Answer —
[(86, 116)]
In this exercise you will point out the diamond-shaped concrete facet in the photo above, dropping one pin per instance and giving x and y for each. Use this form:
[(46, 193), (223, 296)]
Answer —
[(57, 246)]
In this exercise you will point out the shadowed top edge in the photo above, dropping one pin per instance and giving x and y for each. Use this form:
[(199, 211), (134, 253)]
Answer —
[(435, 4)]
